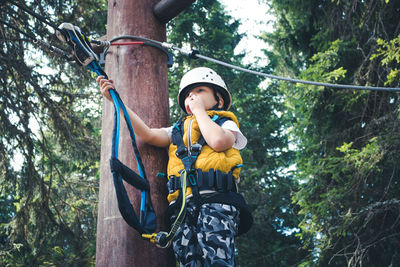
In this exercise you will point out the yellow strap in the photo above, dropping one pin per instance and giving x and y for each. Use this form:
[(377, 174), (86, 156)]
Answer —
[(179, 219), (150, 237)]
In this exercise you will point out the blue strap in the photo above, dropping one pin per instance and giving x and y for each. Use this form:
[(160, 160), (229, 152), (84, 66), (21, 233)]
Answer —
[(144, 194), (139, 163), (214, 118), (115, 143), (147, 218)]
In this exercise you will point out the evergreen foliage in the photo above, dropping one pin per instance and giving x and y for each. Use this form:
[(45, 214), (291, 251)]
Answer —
[(49, 128), (347, 144)]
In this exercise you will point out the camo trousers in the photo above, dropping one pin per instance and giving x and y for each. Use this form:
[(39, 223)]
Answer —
[(209, 240)]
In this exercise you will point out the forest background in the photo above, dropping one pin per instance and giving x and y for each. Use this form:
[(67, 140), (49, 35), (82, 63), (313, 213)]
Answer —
[(321, 167)]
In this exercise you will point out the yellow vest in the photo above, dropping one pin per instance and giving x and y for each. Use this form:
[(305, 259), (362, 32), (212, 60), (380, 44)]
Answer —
[(208, 158)]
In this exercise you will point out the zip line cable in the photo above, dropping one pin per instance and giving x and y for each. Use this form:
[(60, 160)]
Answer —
[(142, 41), (195, 54), (340, 86)]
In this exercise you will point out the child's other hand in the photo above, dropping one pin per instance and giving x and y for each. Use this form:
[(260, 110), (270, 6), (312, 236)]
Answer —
[(105, 85)]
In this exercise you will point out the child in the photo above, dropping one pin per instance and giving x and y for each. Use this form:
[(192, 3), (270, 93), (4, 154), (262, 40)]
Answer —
[(210, 136)]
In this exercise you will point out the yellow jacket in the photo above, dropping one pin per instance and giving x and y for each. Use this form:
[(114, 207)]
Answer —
[(208, 158)]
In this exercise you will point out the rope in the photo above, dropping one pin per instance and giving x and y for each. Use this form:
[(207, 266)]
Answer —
[(144, 41), (53, 49), (195, 54)]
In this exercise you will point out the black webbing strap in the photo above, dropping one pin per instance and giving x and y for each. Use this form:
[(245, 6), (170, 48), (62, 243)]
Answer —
[(128, 175), (146, 223), (211, 180), (188, 157)]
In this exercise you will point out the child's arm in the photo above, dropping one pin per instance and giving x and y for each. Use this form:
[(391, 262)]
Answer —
[(152, 136), (216, 137)]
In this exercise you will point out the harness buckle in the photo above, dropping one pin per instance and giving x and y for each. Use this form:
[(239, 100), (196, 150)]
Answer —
[(171, 184), (196, 148), (192, 179), (180, 152), (161, 240)]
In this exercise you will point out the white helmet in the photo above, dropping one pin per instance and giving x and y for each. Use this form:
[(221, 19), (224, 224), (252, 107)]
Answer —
[(203, 76)]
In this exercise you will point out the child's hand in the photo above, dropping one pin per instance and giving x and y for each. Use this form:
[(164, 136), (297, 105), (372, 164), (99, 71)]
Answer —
[(105, 85), (194, 103)]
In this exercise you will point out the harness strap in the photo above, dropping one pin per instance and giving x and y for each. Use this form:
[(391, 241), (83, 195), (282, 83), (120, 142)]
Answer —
[(128, 175), (211, 180), (188, 157), (147, 220), (147, 224)]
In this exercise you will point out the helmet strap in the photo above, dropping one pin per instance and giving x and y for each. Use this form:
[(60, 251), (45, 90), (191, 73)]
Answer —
[(216, 107)]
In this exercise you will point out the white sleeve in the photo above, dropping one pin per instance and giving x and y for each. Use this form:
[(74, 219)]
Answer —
[(241, 140), (168, 130)]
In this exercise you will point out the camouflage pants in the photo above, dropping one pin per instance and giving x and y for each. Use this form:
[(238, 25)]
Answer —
[(209, 240)]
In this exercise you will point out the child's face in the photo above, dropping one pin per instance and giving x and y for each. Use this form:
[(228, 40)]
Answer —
[(201, 95)]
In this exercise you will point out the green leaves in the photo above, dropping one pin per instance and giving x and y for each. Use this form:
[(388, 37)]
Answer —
[(364, 160), (389, 53)]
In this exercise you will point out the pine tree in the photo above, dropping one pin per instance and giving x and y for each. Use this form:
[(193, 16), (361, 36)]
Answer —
[(49, 140)]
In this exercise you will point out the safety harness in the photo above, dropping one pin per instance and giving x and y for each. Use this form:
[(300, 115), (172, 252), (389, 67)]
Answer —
[(219, 187), (189, 155)]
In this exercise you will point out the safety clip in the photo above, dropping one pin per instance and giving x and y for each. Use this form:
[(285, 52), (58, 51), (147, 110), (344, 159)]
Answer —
[(73, 36)]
